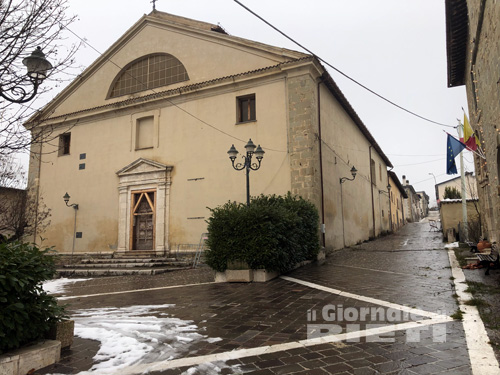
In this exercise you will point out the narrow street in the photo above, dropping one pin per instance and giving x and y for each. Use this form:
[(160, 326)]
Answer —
[(382, 307)]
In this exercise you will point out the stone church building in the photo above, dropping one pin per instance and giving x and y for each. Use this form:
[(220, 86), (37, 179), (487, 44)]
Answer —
[(141, 140)]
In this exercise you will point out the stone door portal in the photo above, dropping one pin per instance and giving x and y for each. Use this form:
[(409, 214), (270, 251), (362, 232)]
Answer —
[(143, 219), (144, 206)]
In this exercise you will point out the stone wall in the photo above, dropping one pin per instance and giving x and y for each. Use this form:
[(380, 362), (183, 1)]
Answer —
[(303, 141), (483, 93)]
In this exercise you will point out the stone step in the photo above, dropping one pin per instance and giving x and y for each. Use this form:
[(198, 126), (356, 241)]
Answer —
[(127, 265), (138, 254), (128, 260), (115, 271)]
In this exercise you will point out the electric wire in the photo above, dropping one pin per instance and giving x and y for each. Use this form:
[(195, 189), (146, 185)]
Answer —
[(168, 100), (341, 72)]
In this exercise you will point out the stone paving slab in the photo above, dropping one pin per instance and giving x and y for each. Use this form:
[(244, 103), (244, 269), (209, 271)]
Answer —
[(133, 282), (410, 268)]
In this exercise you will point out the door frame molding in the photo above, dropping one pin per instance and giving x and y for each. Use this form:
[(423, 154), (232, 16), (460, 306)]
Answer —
[(144, 174)]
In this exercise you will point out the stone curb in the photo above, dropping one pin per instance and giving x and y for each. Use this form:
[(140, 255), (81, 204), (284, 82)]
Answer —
[(37, 356)]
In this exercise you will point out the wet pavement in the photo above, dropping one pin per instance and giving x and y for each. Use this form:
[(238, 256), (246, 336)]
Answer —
[(381, 307)]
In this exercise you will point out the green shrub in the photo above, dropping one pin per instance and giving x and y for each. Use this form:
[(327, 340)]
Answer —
[(26, 310), (273, 233)]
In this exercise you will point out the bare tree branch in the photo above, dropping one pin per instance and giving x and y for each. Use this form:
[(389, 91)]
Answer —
[(24, 26)]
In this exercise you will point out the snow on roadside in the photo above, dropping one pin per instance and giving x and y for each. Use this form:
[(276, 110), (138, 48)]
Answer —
[(140, 334), (57, 286)]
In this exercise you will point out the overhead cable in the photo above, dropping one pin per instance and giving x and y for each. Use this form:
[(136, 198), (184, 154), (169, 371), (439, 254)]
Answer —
[(340, 72)]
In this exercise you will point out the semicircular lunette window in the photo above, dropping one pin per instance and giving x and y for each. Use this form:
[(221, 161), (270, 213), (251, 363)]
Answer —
[(147, 73)]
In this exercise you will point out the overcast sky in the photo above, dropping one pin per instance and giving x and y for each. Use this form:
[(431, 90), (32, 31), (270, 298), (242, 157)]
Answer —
[(395, 47)]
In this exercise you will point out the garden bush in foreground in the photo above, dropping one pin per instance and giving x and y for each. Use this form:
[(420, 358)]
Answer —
[(26, 311), (273, 233)]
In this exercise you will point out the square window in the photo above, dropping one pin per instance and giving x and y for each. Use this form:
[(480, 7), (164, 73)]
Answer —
[(64, 144), (246, 108)]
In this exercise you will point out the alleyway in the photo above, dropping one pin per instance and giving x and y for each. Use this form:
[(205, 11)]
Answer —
[(382, 307)]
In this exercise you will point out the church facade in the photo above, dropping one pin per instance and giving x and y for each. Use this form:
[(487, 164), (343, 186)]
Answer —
[(140, 141)]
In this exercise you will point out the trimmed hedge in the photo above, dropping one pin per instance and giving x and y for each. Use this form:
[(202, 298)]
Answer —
[(273, 233), (26, 311)]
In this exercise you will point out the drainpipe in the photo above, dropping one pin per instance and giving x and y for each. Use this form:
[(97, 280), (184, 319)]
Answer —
[(323, 237), (371, 188), (390, 200)]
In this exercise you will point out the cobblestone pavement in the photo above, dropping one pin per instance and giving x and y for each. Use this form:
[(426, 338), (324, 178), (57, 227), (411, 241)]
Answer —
[(285, 326)]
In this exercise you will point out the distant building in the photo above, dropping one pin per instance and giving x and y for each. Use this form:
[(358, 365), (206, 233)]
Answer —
[(398, 196), (12, 204), (412, 202), (456, 182), (423, 204), (473, 50)]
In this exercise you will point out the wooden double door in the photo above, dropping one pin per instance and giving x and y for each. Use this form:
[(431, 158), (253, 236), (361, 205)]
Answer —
[(143, 218)]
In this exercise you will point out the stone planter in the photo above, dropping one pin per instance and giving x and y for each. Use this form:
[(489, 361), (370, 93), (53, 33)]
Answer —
[(245, 276), (63, 331), (22, 361), (261, 276), (239, 276)]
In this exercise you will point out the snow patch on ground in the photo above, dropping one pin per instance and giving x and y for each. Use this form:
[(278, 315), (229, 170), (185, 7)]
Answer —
[(453, 244), (214, 368), (140, 334), (57, 286)]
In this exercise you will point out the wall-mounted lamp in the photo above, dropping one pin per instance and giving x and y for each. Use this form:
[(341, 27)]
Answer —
[(66, 200), (353, 173), (388, 192), (342, 180)]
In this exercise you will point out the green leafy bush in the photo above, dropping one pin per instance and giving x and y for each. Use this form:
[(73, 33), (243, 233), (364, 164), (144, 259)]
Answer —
[(26, 310), (273, 233)]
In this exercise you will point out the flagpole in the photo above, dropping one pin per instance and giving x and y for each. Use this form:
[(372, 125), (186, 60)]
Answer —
[(464, 193)]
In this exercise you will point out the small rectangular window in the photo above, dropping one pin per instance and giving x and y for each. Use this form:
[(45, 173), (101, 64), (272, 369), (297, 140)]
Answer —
[(64, 144), (144, 133), (246, 108)]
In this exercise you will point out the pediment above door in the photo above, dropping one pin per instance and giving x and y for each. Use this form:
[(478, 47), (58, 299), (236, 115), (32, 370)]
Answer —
[(141, 166), (142, 171)]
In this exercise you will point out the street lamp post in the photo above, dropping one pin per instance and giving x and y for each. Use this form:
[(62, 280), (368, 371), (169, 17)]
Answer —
[(247, 161), (75, 207), (342, 180), (38, 68), (435, 187)]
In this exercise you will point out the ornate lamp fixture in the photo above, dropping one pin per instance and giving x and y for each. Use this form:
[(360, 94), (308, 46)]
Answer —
[(247, 161), (38, 68)]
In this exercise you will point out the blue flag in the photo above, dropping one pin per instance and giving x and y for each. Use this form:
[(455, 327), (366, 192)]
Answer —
[(454, 148)]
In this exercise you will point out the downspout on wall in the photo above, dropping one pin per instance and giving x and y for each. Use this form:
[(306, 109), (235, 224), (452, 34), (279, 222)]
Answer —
[(371, 189), (323, 236)]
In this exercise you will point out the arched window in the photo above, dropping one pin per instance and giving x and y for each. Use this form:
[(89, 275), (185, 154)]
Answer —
[(146, 73)]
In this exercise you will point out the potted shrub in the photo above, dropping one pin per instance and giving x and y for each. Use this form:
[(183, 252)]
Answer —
[(28, 312), (274, 234)]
